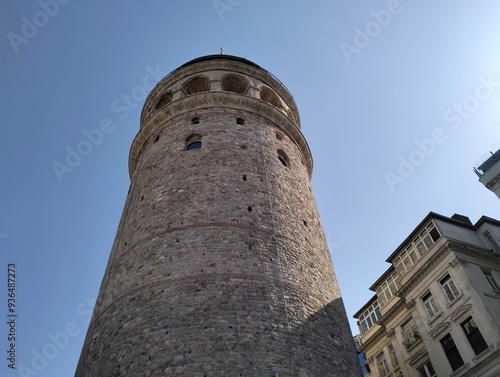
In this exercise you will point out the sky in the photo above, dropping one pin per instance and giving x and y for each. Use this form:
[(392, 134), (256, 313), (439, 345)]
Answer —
[(398, 101)]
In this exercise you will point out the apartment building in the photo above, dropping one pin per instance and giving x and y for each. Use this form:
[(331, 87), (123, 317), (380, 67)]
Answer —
[(436, 309)]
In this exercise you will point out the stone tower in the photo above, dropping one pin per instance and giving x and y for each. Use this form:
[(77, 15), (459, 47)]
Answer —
[(220, 265)]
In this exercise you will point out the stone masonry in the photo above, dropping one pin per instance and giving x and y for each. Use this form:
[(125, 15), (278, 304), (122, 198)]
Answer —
[(220, 266)]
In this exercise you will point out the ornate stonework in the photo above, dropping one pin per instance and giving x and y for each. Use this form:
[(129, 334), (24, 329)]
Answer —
[(458, 261)]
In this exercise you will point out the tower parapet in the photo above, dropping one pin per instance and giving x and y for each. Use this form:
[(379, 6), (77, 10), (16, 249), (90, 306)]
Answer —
[(220, 80)]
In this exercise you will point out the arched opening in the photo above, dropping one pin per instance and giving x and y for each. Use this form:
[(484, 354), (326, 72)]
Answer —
[(235, 84), (164, 99), (197, 85), (268, 95)]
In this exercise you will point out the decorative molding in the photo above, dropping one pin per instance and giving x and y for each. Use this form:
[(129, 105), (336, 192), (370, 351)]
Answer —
[(452, 246), (418, 357), (458, 261), (461, 312), (410, 304), (391, 333), (440, 329)]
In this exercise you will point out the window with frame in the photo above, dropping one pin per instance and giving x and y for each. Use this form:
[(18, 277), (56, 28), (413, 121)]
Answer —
[(451, 351), (410, 332), (488, 274), (193, 142), (427, 238), (475, 337), (426, 370), (416, 249), (430, 305), (387, 289), (382, 365), (370, 317), (492, 241), (449, 288), (394, 356)]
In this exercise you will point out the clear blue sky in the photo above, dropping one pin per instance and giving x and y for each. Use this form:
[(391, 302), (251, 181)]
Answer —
[(373, 80)]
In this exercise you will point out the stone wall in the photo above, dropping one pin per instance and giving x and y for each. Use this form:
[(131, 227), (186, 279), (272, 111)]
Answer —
[(220, 266)]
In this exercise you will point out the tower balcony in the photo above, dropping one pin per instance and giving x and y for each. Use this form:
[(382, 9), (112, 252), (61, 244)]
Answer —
[(488, 172)]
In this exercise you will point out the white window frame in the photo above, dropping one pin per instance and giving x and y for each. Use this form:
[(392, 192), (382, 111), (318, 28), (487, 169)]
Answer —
[(449, 288), (382, 364), (416, 249), (492, 241), (430, 305), (488, 274), (387, 289), (370, 317), (426, 370), (393, 353), (410, 332)]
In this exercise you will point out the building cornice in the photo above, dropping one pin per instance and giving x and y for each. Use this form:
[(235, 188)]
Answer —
[(450, 246)]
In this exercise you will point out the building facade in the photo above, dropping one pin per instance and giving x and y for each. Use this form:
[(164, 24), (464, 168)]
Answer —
[(489, 173), (436, 310), (220, 265)]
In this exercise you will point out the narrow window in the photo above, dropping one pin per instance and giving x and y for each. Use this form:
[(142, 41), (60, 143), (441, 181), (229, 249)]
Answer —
[(449, 288), (305, 222), (451, 351), (195, 120), (249, 209), (382, 365), (240, 121), (489, 276), (426, 370), (393, 354), (157, 138), (193, 142), (492, 241), (410, 332), (475, 337), (244, 177), (279, 136), (434, 234), (283, 158), (430, 305)]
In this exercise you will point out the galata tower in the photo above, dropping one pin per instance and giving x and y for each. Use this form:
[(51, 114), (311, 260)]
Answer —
[(220, 265)]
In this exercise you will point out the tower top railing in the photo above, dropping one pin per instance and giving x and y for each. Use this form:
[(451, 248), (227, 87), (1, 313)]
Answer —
[(487, 160), (227, 57)]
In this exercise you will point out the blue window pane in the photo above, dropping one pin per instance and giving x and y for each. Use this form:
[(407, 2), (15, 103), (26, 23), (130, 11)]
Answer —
[(193, 145)]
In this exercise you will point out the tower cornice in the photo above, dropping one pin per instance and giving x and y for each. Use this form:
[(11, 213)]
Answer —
[(214, 99)]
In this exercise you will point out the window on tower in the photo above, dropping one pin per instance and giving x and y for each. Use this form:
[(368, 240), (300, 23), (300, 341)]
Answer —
[(268, 95), (283, 158), (197, 85), (193, 142), (235, 83), (164, 99)]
